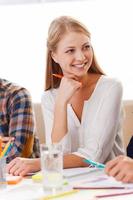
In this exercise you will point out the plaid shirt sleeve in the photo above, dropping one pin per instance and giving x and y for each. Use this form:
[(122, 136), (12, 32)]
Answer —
[(21, 121)]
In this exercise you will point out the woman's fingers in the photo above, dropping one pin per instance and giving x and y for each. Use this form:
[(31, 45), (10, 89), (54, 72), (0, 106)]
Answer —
[(120, 176), (11, 164), (121, 168), (22, 166)]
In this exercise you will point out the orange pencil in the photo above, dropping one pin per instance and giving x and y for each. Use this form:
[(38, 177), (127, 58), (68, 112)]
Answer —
[(11, 180), (58, 75)]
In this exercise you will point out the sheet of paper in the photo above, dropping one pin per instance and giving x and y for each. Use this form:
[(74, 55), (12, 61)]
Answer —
[(103, 181), (78, 171), (25, 190)]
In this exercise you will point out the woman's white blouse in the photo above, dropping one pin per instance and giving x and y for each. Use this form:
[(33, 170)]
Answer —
[(99, 134)]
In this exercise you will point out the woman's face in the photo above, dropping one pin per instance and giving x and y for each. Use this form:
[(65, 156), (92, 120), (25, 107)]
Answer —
[(74, 54)]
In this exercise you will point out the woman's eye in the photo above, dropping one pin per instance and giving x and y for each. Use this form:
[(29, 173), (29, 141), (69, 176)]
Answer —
[(87, 47), (70, 51)]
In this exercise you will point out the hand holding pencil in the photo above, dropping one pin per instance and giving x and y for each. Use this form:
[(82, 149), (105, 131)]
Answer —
[(68, 86)]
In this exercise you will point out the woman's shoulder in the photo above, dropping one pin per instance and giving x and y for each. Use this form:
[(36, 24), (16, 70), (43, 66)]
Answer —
[(111, 81), (110, 86), (49, 95)]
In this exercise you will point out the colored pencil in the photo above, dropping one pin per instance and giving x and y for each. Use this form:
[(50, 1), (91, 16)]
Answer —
[(7, 146), (97, 188), (9, 149), (95, 164), (114, 194), (59, 195), (0, 145), (58, 75)]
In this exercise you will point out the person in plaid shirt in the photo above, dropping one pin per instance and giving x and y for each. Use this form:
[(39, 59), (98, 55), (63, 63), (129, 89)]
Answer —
[(17, 121)]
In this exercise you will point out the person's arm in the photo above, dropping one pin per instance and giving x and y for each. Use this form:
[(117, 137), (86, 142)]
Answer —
[(71, 161), (23, 166), (55, 110), (121, 168), (48, 105), (68, 87), (21, 122)]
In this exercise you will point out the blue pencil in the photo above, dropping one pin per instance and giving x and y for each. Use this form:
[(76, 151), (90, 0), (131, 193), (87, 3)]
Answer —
[(95, 164), (9, 149)]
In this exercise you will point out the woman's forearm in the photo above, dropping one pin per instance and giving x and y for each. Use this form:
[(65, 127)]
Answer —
[(60, 122), (71, 161)]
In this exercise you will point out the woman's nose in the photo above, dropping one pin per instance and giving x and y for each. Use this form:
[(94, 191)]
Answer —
[(79, 55)]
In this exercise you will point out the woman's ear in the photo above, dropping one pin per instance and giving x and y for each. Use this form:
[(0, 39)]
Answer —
[(54, 57)]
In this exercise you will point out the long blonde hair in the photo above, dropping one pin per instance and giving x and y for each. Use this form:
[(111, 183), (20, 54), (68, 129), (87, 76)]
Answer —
[(58, 28)]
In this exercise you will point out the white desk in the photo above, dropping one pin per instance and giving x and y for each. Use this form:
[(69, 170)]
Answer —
[(28, 190)]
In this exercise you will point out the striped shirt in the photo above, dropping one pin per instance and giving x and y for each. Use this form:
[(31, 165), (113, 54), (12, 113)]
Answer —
[(16, 118)]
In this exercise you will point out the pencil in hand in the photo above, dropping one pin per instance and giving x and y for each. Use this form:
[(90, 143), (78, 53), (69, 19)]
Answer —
[(58, 75), (95, 164)]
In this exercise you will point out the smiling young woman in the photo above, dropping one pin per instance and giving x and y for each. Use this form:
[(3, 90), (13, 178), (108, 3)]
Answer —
[(82, 109)]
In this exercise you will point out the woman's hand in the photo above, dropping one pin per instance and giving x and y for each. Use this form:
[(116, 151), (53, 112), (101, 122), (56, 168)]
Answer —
[(121, 168), (68, 86), (23, 166)]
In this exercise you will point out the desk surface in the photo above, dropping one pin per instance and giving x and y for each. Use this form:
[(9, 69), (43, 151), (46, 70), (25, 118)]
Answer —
[(28, 190)]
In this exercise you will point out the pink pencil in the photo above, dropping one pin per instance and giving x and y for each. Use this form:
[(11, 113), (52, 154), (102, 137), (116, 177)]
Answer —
[(97, 188), (114, 194)]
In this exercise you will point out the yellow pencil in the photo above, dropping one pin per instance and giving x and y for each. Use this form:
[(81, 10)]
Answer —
[(5, 149), (0, 145), (59, 195)]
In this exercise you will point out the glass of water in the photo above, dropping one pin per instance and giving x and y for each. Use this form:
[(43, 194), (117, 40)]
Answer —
[(3, 173), (52, 166)]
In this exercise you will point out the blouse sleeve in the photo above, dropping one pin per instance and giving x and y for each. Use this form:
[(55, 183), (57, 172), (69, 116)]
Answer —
[(48, 110), (105, 129), (48, 103)]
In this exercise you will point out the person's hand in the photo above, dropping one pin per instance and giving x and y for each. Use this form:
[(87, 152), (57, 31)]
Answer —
[(23, 166), (121, 168), (68, 86)]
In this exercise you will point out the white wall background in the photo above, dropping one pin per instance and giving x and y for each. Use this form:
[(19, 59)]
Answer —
[(23, 32)]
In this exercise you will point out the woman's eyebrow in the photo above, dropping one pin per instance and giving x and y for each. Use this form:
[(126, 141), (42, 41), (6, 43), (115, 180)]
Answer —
[(69, 47), (88, 43), (72, 46)]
